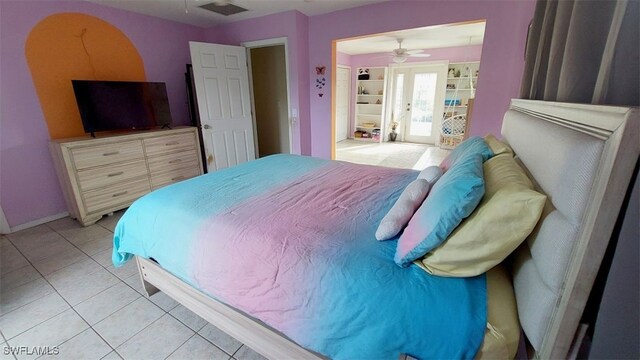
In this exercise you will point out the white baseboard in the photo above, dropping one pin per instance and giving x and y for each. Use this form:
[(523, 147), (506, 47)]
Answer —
[(37, 222), (4, 225)]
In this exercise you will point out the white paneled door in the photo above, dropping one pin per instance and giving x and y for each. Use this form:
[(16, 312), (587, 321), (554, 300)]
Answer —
[(343, 82), (222, 88)]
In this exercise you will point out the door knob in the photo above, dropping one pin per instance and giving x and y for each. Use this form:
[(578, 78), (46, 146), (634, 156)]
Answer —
[(207, 127)]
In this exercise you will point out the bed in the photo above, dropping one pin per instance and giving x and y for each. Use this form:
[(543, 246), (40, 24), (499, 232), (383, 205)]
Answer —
[(589, 154)]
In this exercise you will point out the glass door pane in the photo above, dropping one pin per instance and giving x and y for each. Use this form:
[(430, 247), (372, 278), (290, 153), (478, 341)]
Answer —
[(423, 104), (398, 99)]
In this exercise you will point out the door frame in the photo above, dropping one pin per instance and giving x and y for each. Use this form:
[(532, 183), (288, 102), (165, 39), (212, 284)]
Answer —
[(392, 72), (267, 43), (349, 123)]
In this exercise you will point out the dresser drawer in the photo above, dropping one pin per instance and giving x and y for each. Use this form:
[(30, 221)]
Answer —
[(115, 195), (90, 156), (163, 179), (111, 174), (173, 161), (166, 144)]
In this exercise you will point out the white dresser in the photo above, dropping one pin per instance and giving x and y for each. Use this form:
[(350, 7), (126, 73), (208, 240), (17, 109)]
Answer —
[(105, 174)]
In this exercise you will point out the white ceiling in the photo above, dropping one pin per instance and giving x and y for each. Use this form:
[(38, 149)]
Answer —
[(431, 37), (175, 9)]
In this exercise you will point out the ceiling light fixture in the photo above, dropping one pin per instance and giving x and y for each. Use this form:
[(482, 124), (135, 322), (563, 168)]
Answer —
[(399, 59)]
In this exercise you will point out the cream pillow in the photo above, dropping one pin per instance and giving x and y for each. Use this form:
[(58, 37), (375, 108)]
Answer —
[(402, 211), (498, 147), (506, 215)]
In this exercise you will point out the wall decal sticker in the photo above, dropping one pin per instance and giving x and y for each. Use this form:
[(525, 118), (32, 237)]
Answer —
[(321, 80)]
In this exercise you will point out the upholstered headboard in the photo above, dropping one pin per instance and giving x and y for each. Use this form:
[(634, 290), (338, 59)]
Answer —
[(582, 157)]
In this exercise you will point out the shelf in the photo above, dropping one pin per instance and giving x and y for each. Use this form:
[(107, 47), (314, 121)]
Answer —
[(365, 139), (368, 95), (371, 104), (373, 80), (376, 115), (460, 89), (367, 127), (459, 78)]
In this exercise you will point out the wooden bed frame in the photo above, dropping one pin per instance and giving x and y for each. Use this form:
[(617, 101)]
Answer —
[(617, 127)]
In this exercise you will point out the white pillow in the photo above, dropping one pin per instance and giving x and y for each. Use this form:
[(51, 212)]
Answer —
[(402, 211), (431, 174)]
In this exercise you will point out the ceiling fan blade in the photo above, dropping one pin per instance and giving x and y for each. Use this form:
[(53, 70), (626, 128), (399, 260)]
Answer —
[(411, 52), (420, 55)]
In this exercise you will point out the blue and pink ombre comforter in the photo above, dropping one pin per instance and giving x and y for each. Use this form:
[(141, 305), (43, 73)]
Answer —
[(290, 241)]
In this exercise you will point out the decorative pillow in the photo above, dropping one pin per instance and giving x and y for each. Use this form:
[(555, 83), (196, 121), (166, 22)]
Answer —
[(452, 199), (399, 215), (431, 174), (474, 144), (498, 147), (507, 214)]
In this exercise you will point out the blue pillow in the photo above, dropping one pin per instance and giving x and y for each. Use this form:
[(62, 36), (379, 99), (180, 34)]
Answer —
[(474, 144), (452, 198)]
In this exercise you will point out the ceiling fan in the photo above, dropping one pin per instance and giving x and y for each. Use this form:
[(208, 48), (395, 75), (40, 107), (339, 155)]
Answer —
[(401, 54)]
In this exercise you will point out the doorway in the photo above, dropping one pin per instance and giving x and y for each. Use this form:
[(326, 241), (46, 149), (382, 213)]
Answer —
[(270, 100), (223, 86), (343, 85), (430, 76), (418, 94)]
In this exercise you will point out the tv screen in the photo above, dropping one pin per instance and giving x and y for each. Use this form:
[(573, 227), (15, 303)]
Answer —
[(117, 105)]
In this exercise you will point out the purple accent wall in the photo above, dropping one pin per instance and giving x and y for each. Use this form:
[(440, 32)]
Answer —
[(29, 188), (452, 54), (343, 59), (294, 26), (502, 55)]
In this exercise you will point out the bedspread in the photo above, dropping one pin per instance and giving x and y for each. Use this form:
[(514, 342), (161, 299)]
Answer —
[(290, 241)]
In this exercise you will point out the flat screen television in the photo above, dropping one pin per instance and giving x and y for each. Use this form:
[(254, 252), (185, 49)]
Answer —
[(120, 105)]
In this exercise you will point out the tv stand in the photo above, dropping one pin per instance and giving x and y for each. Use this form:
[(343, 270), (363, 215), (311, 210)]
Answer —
[(166, 126), (103, 175)]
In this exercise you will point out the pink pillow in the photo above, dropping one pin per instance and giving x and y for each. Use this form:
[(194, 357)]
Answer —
[(402, 211)]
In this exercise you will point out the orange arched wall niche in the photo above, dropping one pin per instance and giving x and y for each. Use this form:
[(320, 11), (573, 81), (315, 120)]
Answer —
[(72, 46)]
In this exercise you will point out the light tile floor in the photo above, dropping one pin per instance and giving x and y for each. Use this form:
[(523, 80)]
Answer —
[(58, 287), (390, 154)]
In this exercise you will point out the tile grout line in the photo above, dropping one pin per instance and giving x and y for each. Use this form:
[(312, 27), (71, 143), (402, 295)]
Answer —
[(121, 280), (56, 290), (6, 344), (65, 300), (114, 349), (197, 332)]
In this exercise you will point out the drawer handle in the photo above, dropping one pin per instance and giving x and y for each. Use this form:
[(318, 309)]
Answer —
[(111, 153), (120, 193), (175, 161), (177, 178), (116, 174), (172, 143)]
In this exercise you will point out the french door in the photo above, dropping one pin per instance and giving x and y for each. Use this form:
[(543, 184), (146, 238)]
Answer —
[(418, 101)]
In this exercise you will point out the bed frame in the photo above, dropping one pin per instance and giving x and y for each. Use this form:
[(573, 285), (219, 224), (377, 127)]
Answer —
[(550, 140)]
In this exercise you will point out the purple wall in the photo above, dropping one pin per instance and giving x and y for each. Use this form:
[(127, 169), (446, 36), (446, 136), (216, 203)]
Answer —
[(29, 188), (502, 54), (343, 59), (452, 54), (294, 26)]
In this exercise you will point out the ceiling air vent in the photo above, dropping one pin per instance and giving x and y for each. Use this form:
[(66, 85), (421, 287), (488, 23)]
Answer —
[(226, 10)]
